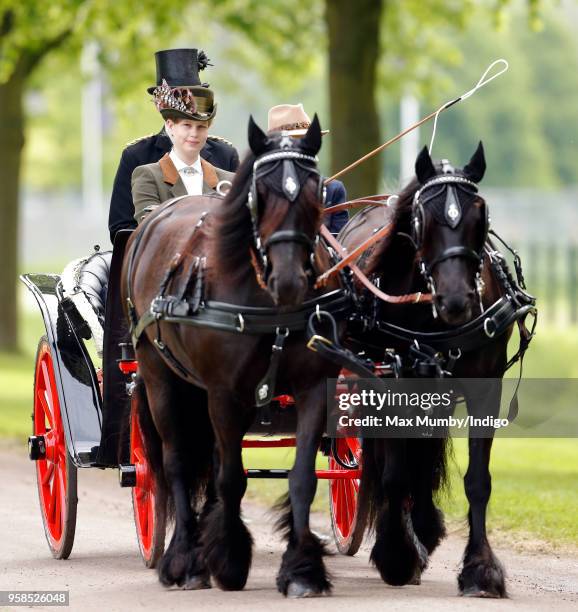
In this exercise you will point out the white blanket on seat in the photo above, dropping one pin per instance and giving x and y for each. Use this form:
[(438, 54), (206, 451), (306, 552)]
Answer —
[(70, 280)]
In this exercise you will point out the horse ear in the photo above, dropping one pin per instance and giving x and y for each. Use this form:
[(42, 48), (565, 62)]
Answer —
[(312, 140), (476, 167), (257, 138), (424, 168)]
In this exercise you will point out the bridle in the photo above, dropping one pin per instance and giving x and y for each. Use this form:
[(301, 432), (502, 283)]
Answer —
[(290, 157), (450, 183)]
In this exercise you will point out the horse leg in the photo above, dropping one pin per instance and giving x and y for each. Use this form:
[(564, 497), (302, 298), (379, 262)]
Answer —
[(227, 543), (482, 574), (170, 400), (398, 554), (302, 572)]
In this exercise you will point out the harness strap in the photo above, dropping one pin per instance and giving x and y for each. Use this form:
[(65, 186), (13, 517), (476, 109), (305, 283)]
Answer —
[(237, 318), (410, 298), (456, 251), (289, 236), (381, 233), (331, 349), (265, 390), (377, 200), (481, 330)]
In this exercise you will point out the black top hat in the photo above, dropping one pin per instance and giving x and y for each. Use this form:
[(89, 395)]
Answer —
[(180, 68)]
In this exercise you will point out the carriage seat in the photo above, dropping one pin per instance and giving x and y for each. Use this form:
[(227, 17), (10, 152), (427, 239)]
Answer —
[(85, 282)]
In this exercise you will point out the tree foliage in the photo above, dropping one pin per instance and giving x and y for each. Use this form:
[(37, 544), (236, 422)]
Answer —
[(287, 40)]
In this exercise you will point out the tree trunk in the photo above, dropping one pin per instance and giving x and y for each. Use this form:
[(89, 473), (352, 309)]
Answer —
[(353, 28), (12, 141)]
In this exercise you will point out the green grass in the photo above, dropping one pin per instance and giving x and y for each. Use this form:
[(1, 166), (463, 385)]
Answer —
[(17, 380), (535, 492), (534, 487)]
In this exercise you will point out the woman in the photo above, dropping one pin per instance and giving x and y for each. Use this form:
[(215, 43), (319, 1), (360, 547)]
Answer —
[(188, 112)]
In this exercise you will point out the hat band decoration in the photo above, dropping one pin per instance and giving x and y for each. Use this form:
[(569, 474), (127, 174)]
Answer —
[(288, 127), (174, 98)]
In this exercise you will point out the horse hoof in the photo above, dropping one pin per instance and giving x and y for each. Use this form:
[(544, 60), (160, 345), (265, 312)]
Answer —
[(299, 590), (483, 579), (416, 578), (196, 583), (474, 592)]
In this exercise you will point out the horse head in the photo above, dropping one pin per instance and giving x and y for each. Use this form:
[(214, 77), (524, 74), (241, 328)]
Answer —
[(449, 225), (285, 201)]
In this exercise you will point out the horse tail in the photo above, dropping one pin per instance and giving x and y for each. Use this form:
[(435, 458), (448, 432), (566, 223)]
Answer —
[(372, 497), (425, 463)]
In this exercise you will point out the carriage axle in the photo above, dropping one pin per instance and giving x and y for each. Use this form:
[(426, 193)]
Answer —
[(36, 448)]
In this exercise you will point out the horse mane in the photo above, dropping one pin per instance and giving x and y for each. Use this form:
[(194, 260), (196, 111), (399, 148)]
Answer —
[(401, 221), (232, 231)]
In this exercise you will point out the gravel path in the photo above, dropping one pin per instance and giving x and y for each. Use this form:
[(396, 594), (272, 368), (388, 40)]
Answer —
[(105, 572)]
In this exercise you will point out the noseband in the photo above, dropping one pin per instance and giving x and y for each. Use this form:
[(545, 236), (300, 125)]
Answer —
[(449, 183), (264, 165)]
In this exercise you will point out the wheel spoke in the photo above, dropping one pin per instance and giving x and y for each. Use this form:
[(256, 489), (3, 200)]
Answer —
[(143, 515), (150, 515), (140, 496), (47, 380), (51, 511), (137, 452), (62, 495), (45, 408), (49, 471), (351, 445), (339, 503), (346, 508)]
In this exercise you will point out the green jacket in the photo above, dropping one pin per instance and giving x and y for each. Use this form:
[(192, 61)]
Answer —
[(156, 183)]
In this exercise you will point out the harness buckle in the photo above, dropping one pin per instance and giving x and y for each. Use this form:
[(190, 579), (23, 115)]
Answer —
[(314, 339), (241, 326)]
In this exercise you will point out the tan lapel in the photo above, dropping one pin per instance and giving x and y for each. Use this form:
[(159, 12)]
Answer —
[(171, 177), (210, 178)]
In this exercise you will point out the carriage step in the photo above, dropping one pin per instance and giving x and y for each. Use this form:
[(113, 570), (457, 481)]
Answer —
[(254, 473), (36, 448), (127, 475)]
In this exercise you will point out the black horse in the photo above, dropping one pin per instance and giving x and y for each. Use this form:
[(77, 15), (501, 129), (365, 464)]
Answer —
[(437, 246), (241, 279)]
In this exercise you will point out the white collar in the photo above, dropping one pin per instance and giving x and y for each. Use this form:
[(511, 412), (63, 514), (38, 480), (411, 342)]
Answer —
[(180, 164)]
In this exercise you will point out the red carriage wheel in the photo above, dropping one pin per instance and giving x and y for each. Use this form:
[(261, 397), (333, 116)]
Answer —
[(148, 506), (55, 470), (347, 520)]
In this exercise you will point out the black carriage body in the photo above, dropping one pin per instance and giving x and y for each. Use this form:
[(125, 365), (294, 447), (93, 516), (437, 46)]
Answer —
[(96, 427), (76, 380)]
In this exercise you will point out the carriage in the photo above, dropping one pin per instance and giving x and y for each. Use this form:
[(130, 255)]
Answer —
[(88, 418), (83, 416)]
